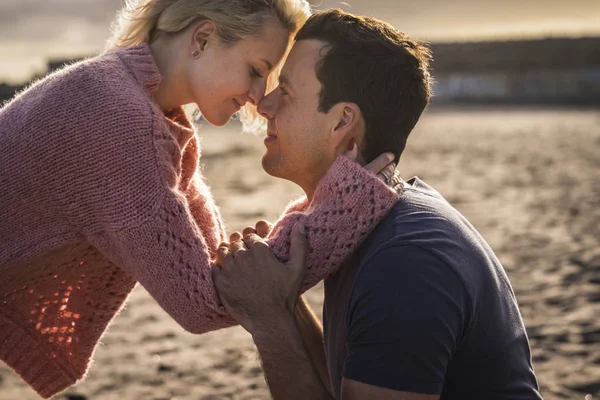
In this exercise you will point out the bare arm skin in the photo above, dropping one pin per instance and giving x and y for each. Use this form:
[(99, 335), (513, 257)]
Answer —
[(289, 371), (308, 323), (353, 390), (312, 336)]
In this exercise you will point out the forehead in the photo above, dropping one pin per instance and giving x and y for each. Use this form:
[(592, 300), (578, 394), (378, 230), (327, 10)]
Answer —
[(299, 67), (271, 44)]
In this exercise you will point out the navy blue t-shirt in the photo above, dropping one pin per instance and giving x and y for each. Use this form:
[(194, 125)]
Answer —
[(424, 306)]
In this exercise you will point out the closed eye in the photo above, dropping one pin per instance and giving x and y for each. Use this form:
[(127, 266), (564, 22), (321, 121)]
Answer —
[(283, 91), (256, 73)]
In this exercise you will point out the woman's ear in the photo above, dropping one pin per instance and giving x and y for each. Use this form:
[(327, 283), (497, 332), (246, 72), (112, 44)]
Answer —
[(202, 32)]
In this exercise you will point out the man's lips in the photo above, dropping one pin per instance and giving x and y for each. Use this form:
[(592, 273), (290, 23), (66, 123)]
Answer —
[(271, 131), (271, 137)]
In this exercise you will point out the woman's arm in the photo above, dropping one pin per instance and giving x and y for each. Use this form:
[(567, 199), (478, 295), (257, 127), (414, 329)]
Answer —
[(348, 204), (169, 254)]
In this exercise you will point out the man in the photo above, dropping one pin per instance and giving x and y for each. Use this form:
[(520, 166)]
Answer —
[(423, 310)]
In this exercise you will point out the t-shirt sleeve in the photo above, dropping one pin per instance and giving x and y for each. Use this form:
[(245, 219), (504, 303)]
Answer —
[(405, 320)]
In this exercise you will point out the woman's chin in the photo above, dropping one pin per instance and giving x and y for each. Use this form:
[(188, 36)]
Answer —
[(217, 120)]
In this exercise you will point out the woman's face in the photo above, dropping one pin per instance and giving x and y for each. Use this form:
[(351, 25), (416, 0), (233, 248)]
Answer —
[(223, 79)]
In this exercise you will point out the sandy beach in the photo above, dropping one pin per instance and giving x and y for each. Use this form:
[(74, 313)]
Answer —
[(527, 178)]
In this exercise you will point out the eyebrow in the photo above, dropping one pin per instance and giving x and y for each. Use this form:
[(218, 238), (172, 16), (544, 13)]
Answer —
[(284, 80), (269, 66)]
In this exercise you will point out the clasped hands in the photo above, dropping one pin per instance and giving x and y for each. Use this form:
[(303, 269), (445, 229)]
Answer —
[(255, 287)]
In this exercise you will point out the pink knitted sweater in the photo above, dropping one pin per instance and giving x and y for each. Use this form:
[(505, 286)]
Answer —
[(100, 189)]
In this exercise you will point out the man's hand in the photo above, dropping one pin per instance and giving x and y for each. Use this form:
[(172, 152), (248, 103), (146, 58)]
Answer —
[(254, 286)]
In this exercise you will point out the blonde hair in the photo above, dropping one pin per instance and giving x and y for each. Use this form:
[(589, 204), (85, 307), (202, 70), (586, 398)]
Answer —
[(140, 20)]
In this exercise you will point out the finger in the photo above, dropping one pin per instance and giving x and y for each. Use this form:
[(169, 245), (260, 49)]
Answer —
[(224, 244), (378, 164), (223, 255), (235, 236), (248, 230), (253, 239), (263, 228), (396, 181), (237, 246), (387, 173), (298, 246)]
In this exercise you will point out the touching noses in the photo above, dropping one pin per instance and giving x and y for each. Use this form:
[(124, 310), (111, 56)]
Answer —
[(267, 106), (257, 91)]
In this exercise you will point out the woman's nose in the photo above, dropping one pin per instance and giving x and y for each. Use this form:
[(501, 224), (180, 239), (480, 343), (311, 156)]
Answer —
[(257, 92)]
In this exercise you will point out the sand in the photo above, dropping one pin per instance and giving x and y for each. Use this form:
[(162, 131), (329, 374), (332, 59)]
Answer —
[(529, 181)]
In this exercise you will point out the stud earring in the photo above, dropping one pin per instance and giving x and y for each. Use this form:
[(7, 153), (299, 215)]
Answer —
[(195, 53)]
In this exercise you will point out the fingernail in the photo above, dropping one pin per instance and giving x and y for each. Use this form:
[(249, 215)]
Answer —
[(390, 156)]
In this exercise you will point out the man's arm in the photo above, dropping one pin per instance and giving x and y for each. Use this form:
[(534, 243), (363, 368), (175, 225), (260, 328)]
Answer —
[(261, 293), (288, 369), (312, 336), (308, 323), (354, 390)]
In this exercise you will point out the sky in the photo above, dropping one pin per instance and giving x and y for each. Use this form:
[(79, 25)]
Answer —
[(32, 31)]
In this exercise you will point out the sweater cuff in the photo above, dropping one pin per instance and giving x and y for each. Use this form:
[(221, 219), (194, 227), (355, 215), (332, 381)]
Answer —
[(351, 184), (347, 206)]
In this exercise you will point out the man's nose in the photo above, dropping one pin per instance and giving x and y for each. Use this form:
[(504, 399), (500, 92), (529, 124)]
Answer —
[(267, 106)]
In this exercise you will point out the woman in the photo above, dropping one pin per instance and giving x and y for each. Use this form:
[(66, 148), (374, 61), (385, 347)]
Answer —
[(101, 187)]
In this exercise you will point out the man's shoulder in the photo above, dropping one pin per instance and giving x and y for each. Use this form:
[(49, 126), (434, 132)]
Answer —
[(424, 227), (421, 217)]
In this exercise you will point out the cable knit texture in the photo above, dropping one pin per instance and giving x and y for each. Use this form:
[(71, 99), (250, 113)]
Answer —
[(101, 189)]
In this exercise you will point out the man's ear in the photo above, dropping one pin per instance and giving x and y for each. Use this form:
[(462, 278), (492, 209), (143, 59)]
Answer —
[(201, 33), (348, 126)]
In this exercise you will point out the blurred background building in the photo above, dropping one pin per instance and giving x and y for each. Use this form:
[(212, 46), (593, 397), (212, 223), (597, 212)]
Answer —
[(485, 52), (548, 71)]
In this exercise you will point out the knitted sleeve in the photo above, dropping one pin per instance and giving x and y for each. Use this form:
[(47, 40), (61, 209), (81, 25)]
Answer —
[(201, 204), (170, 257), (348, 204)]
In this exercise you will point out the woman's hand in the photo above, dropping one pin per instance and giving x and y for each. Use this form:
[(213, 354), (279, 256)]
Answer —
[(383, 166), (261, 228)]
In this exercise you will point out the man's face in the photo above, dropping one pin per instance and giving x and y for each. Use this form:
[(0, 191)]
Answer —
[(298, 146)]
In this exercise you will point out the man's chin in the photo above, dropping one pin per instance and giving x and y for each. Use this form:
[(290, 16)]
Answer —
[(269, 166), (273, 165)]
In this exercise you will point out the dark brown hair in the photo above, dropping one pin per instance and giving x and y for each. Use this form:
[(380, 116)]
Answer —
[(371, 64)]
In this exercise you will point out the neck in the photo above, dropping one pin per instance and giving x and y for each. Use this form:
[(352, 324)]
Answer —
[(310, 192), (171, 92), (309, 186)]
